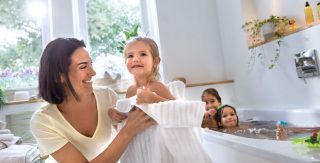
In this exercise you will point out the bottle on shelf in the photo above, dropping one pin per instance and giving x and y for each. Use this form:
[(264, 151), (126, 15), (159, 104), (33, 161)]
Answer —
[(308, 13), (318, 8)]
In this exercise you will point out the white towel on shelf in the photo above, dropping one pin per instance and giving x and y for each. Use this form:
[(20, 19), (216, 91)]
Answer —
[(6, 137), (2, 125), (5, 131), (23, 153), (176, 138), (14, 140)]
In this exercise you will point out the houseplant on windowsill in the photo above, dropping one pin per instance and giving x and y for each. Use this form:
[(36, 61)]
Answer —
[(256, 29)]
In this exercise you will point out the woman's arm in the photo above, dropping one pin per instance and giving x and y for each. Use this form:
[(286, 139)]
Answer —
[(136, 122)]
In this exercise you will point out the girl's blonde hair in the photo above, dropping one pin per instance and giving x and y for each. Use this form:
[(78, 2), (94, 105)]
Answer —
[(154, 52)]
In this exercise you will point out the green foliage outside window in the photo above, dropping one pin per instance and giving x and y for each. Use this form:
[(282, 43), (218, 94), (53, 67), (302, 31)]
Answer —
[(19, 57), (109, 23)]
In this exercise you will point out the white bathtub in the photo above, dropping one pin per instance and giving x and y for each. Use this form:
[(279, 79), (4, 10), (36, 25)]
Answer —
[(226, 148)]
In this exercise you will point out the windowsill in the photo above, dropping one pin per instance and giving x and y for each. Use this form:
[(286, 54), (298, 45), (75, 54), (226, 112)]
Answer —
[(24, 101)]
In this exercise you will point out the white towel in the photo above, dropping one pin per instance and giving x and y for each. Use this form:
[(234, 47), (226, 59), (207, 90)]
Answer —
[(177, 88), (2, 125), (5, 131), (176, 138), (19, 154), (14, 140), (6, 137)]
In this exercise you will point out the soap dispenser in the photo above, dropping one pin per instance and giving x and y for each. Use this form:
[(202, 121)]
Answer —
[(308, 13)]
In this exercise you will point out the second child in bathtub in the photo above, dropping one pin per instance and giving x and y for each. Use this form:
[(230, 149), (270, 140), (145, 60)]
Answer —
[(213, 101)]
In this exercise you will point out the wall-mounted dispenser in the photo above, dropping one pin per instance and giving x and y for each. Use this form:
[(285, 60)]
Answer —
[(307, 64)]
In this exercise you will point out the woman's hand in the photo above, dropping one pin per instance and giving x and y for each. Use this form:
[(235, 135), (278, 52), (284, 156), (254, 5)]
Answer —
[(137, 121), (116, 116)]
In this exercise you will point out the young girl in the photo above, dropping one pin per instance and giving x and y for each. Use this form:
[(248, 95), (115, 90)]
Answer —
[(227, 117), (142, 60), (175, 118), (213, 100)]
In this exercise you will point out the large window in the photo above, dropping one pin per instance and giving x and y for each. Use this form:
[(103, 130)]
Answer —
[(20, 45), (110, 24)]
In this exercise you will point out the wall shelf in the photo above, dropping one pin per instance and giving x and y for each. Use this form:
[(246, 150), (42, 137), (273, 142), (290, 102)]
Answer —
[(286, 34)]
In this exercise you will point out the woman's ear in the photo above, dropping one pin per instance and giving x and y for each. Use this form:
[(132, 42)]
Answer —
[(61, 78)]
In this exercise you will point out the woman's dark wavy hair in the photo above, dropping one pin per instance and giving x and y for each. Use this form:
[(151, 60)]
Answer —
[(219, 115), (212, 92), (55, 61)]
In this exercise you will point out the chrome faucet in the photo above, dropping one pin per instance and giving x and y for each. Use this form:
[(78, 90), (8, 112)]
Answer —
[(307, 64)]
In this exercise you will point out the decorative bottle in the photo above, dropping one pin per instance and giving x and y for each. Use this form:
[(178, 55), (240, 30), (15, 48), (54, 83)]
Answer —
[(318, 8), (308, 13)]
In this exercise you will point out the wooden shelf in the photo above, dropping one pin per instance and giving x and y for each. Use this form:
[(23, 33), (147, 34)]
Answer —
[(286, 34), (209, 83)]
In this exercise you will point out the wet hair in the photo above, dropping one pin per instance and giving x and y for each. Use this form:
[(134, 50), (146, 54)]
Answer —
[(213, 92), (54, 62), (219, 115), (154, 51)]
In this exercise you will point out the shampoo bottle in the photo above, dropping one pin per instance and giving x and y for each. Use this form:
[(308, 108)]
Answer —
[(308, 13), (318, 8)]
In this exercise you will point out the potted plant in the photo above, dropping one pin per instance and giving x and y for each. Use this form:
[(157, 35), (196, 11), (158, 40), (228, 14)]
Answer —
[(2, 98), (260, 30)]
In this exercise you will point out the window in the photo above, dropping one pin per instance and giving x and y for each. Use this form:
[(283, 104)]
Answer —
[(20, 45), (110, 24)]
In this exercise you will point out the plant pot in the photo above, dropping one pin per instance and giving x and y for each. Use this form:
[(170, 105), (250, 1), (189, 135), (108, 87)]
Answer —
[(268, 30)]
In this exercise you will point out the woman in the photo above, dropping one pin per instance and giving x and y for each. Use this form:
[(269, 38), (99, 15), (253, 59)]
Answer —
[(74, 126)]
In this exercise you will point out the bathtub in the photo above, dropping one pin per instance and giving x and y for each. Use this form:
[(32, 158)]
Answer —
[(226, 148)]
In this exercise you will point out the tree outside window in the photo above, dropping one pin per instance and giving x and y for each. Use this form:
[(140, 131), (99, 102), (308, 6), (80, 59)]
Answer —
[(20, 46), (111, 23)]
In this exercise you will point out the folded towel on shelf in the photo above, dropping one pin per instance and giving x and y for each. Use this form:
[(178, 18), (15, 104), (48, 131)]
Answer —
[(14, 140), (23, 153), (2, 125), (5, 131), (6, 137)]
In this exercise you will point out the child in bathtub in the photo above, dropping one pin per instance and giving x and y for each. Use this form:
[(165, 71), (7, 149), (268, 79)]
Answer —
[(228, 121), (142, 61), (213, 100), (227, 117), (283, 133)]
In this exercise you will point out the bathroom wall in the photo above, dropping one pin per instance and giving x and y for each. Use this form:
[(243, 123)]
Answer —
[(259, 86), (189, 40), (222, 51)]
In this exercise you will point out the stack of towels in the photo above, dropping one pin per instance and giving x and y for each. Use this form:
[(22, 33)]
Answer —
[(13, 151)]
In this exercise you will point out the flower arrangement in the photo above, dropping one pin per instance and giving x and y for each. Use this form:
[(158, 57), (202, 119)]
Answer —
[(21, 78), (277, 28)]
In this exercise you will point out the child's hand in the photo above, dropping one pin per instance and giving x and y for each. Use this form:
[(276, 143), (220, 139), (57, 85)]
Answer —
[(281, 133), (116, 116), (211, 113), (144, 95)]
